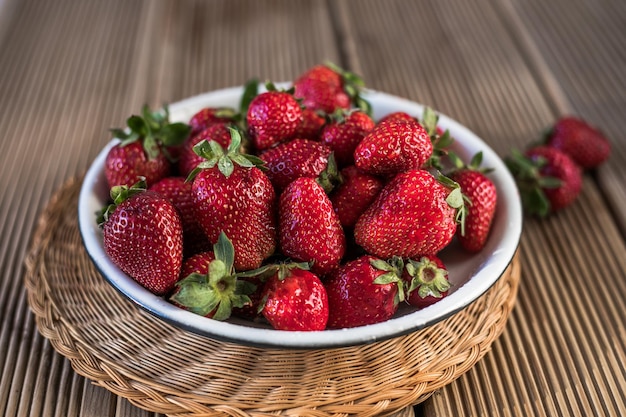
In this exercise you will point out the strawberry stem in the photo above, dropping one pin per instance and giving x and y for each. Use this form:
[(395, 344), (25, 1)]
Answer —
[(217, 292), (427, 278), (214, 154)]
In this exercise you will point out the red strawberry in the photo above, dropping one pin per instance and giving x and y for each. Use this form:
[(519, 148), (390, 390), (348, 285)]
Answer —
[(125, 164), (328, 88), (143, 148), (585, 144), (482, 195), (188, 159), (273, 117), (143, 236), (393, 147), (178, 192), (414, 214), (364, 291), (354, 195), (208, 116), (548, 179), (321, 88), (308, 227), (297, 158), (311, 126), (209, 285), (427, 281), (295, 299), (233, 196), (344, 133)]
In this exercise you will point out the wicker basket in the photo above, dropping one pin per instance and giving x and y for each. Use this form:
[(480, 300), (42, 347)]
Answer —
[(165, 369)]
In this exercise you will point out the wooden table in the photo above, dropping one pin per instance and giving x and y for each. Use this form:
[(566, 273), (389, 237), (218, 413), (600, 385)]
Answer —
[(71, 69)]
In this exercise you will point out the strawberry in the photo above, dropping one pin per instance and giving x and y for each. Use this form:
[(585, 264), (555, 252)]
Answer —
[(143, 236), (295, 299), (393, 147), (328, 88), (188, 159), (426, 281), (482, 195), (298, 158), (209, 285), (585, 144), (354, 195), (414, 214), (178, 192), (344, 133), (308, 227), (364, 291), (273, 117), (321, 88), (548, 179), (311, 126), (143, 148), (208, 116), (233, 196)]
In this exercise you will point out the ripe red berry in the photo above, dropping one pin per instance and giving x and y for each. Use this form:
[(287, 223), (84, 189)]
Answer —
[(295, 300), (308, 227), (393, 147), (364, 291), (273, 117), (426, 281), (143, 236), (585, 144), (411, 216)]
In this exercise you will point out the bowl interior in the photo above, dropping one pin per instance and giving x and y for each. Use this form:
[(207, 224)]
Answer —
[(470, 275)]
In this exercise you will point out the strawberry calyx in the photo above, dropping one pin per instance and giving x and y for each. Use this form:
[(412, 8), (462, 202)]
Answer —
[(330, 177), (441, 141), (427, 278), (225, 160), (118, 195), (283, 269), (392, 275), (154, 130), (353, 85), (217, 292), (475, 163), (456, 199), (531, 182)]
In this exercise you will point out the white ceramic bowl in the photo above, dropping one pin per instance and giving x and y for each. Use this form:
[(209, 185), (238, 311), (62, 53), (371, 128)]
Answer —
[(470, 275)]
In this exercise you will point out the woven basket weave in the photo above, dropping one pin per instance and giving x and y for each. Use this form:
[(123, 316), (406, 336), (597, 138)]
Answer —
[(165, 369)]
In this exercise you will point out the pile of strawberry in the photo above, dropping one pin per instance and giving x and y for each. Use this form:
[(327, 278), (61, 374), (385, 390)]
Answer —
[(549, 174), (297, 208)]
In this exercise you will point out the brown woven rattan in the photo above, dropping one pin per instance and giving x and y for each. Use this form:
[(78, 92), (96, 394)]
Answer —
[(165, 369)]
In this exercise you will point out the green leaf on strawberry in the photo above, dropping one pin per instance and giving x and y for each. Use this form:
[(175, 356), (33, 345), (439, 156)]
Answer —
[(393, 273), (456, 199), (154, 129), (214, 154), (119, 194), (216, 293), (427, 278), (353, 86)]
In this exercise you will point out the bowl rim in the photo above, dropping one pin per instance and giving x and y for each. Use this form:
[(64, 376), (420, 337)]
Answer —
[(483, 277)]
